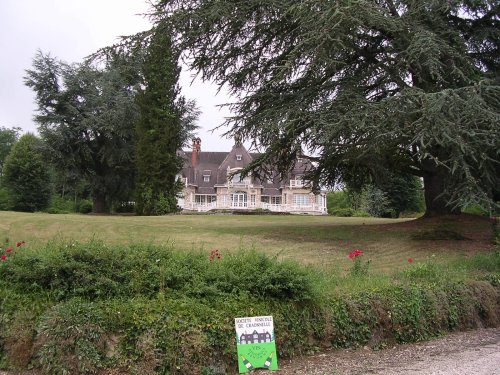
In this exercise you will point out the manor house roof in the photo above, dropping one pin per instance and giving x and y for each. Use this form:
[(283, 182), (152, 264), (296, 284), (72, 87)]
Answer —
[(207, 169)]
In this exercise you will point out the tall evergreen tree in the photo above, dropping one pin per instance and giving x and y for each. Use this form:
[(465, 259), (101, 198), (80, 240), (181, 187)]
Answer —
[(26, 175), (366, 86), (86, 115), (162, 129)]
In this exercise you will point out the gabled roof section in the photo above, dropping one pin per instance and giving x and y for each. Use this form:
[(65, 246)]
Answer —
[(237, 158), (207, 165)]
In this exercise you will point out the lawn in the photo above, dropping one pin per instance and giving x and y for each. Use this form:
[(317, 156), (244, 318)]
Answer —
[(322, 241)]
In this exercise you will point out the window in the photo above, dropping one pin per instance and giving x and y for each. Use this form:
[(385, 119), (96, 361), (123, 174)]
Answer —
[(202, 199), (238, 157), (276, 200), (206, 175), (301, 199), (239, 199)]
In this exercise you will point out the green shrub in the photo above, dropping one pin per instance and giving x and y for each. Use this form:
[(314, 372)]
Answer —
[(60, 205), (376, 202), (94, 270), (337, 201), (85, 206), (260, 275), (123, 207), (70, 270), (341, 212), (71, 339)]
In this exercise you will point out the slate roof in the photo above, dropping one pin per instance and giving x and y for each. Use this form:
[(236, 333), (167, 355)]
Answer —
[(216, 166)]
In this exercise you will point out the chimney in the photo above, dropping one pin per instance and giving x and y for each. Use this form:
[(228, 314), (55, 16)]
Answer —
[(196, 151)]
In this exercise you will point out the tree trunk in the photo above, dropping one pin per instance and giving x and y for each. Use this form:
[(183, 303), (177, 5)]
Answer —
[(99, 202), (434, 187)]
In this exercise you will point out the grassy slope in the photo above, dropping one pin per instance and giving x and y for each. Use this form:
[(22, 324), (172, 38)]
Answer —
[(317, 240), (190, 328)]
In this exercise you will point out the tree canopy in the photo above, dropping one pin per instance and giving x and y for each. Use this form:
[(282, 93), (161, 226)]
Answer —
[(365, 87), (86, 115), (26, 175)]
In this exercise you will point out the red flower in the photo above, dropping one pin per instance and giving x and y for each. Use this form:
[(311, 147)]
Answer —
[(19, 244), (215, 254), (355, 253), (8, 250), (3, 257), (410, 260)]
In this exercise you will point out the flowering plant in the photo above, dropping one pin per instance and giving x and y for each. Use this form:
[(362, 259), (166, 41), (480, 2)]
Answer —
[(355, 253), (359, 267), (215, 254), (9, 251)]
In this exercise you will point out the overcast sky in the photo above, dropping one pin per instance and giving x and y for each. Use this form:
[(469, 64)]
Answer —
[(71, 30)]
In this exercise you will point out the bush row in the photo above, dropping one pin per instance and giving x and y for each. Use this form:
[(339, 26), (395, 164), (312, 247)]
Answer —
[(85, 308), (94, 270)]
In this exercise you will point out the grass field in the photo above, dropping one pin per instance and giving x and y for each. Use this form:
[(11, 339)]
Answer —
[(322, 241)]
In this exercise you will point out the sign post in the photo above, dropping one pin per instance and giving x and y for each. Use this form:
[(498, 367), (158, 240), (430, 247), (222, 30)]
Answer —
[(255, 343)]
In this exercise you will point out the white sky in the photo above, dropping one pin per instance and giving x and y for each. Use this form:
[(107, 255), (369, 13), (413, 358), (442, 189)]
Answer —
[(71, 30)]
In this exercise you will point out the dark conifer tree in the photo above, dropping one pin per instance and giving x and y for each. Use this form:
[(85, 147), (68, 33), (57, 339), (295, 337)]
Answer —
[(86, 115), (26, 175), (160, 130), (366, 86)]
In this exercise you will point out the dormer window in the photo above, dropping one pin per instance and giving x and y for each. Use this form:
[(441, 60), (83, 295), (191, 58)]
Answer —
[(206, 175), (238, 157)]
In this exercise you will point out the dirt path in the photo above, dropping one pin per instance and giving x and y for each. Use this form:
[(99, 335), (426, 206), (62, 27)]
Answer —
[(466, 353)]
